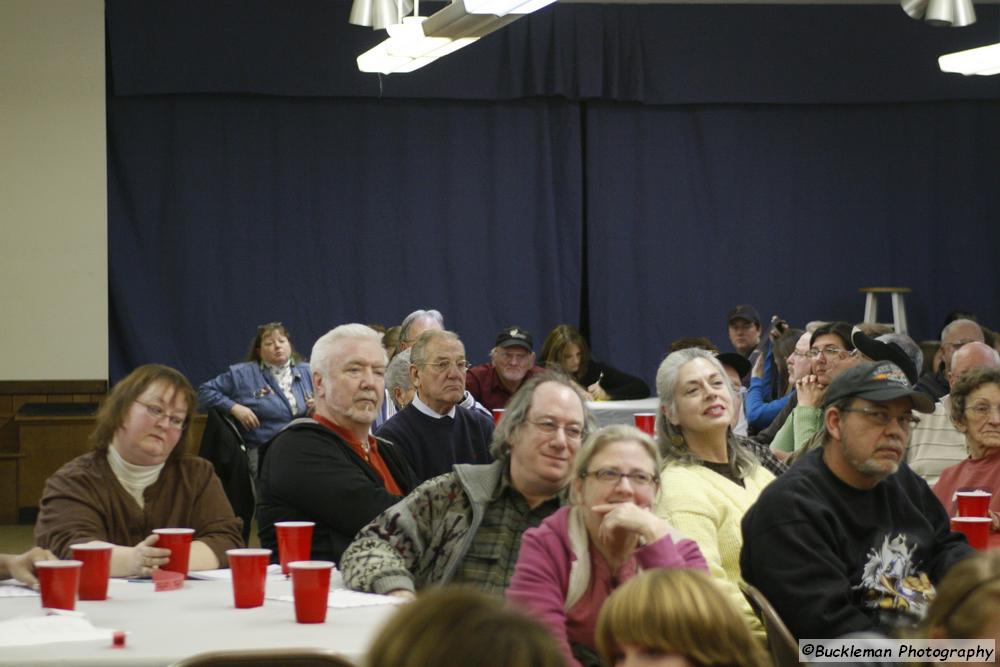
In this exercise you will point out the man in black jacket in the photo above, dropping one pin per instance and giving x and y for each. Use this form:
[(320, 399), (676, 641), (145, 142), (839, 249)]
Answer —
[(330, 469), (850, 539)]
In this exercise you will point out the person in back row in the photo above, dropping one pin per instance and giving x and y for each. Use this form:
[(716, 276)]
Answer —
[(511, 364), (465, 527), (434, 431), (566, 350)]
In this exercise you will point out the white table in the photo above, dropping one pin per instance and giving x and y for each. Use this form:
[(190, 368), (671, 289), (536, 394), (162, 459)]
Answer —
[(164, 627), (621, 412)]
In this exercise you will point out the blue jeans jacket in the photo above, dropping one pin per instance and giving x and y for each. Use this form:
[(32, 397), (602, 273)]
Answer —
[(252, 385)]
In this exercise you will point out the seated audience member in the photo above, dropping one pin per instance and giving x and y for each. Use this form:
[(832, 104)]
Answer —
[(832, 353), (264, 393), (932, 356), (936, 443), (567, 351), (850, 539), (954, 335), (898, 348), (330, 469), (465, 527), (975, 410), (675, 618), (736, 367), (434, 431), (398, 386), (772, 378), (744, 330), (569, 565), (511, 364), (22, 566), (967, 601), (413, 325), (390, 341), (138, 478), (463, 628), (710, 479)]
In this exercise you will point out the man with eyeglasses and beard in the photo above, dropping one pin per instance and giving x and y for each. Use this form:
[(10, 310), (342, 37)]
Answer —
[(850, 539), (434, 431), (465, 527), (832, 353)]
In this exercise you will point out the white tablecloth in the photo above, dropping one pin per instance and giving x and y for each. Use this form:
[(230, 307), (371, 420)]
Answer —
[(621, 412), (167, 626)]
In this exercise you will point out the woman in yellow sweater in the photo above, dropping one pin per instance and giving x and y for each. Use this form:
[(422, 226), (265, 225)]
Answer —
[(709, 479)]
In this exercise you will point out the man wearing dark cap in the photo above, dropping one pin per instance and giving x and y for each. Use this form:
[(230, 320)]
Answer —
[(850, 539), (512, 361), (744, 329)]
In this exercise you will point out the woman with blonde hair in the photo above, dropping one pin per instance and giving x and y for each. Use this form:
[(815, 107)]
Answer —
[(674, 618), (460, 626), (567, 566), (968, 598)]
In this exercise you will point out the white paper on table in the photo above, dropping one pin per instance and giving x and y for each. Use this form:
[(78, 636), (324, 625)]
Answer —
[(345, 599), (12, 588), (30, 631), (273, 574)]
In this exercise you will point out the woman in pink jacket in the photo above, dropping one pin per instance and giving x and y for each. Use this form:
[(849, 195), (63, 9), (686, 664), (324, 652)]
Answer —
[(572, 562)]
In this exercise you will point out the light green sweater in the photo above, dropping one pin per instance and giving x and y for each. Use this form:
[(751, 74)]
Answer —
[(708, 508), (798, 429)]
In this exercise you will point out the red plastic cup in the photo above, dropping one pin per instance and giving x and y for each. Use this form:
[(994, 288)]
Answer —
[(96, 570), (497, 414), (976, 529), (310, 587), (974, 503), (249, 570), (178, 540), (294, 541), (645, 421), (59, 581)]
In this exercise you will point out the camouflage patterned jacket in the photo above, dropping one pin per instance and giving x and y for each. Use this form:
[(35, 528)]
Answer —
[(422, 539)]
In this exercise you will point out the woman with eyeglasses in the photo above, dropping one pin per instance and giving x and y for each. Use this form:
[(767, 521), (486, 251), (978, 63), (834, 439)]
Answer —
[(569, 565), (710, 478), (975, 411), (265, 392), (139, 478)]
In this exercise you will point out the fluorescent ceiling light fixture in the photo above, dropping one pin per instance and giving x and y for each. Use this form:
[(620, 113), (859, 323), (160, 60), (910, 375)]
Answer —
[(419, 40), (984, 60)]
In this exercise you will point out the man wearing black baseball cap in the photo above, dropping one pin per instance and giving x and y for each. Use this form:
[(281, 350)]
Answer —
[(850, 539), (744, 329), (512, 361)]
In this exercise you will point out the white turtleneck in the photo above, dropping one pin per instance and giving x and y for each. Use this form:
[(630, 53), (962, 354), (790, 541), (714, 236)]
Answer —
[(134, 478)]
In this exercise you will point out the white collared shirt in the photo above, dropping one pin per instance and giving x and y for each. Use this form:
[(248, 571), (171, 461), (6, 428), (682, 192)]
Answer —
[(422, 407)]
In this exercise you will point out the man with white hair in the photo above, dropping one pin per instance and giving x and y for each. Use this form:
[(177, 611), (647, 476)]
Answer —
[(954, 335), (329, 469), (935, 443), (511, 364)]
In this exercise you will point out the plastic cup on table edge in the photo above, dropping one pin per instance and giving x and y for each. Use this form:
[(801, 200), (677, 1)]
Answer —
[(58, 581), (497, 414), (249, 572), (310, 588), (975, 528), (96, 569), (974, 503), (178, 540), (294, 541), (645, 421)]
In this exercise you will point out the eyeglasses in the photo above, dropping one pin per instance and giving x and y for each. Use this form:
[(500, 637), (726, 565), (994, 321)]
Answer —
[(513, 357), (959, 343), (613, 477), (156, 412), (443, 365), (882, 417), (802, 353), (982, 410), (830, 352), (549, 427)]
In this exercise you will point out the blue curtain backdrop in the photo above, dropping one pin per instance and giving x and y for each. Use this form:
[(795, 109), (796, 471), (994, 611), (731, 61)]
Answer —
[(632, 169)]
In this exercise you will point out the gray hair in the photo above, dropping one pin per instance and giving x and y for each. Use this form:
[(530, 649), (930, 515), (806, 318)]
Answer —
[(955, 324), (418, 353), (397, 374), (516, 413), (669, 437), (907, 345), (325, 346), (404, 328)]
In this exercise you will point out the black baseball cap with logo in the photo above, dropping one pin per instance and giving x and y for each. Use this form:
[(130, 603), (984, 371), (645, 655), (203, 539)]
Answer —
[(514, 336), (744, 312), (877, 381)]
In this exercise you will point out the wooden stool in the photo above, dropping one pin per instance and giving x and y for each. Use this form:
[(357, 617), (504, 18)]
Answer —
[(898, 307)]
